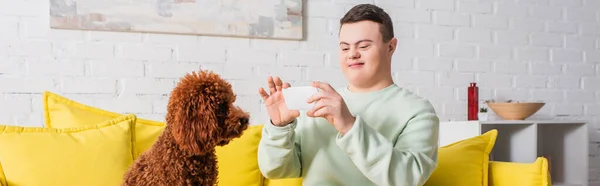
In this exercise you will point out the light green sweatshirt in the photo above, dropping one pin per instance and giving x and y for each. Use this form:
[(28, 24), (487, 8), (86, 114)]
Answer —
[(393, 142)]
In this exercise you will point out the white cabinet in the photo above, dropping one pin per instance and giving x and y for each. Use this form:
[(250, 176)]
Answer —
[(564, 143)]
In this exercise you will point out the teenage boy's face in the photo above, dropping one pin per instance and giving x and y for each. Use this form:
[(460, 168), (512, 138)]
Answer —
[(363, 54)]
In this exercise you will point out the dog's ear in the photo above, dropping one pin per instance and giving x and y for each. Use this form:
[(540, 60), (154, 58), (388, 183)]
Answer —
[(194, 126), (193, 111)]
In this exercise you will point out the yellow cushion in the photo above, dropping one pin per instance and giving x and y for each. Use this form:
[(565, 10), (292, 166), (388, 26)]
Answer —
[(96, 154), (465, 162), (2, 178), (284, 182), (60, 112), (253, 154), (526, 174), (238, 160)]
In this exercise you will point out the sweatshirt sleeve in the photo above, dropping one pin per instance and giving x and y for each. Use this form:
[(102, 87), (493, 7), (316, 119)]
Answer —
[(409, 161), (278, 152)]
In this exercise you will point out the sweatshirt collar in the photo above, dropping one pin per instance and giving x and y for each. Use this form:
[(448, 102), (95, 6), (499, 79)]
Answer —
[(346, 92)]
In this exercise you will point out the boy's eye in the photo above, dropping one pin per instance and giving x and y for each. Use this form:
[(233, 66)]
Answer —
[(364, 46)]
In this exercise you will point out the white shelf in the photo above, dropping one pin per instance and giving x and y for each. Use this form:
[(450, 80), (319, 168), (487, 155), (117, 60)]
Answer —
[(520, 122), (566, 184), (564, 143)]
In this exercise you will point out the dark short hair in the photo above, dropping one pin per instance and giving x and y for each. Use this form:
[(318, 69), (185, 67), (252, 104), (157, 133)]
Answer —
[(369, 12)]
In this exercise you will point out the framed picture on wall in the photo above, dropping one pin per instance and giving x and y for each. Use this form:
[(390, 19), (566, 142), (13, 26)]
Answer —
[(237, 18)]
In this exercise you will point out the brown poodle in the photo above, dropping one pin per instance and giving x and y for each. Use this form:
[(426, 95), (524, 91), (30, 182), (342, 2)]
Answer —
[(200, 116)]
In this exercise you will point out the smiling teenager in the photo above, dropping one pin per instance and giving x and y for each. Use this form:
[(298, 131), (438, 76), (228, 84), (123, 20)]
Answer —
[(370, 132)]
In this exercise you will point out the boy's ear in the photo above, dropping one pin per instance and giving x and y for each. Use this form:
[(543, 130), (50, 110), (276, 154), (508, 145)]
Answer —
[(392, 45)]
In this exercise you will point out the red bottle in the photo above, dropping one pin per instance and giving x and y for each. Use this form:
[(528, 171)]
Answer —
[(473, 101)]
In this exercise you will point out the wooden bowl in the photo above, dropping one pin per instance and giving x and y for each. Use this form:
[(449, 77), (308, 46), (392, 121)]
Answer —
[(515, 111)]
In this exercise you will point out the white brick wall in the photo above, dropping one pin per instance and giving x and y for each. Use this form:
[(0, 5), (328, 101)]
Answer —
[(520, 49)]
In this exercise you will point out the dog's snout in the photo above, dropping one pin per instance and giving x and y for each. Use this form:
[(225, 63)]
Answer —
[(244, 120)]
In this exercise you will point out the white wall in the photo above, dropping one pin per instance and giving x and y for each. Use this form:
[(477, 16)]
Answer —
[(515, 49)]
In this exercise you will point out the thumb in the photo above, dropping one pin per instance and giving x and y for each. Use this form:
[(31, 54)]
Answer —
[(295, 113)]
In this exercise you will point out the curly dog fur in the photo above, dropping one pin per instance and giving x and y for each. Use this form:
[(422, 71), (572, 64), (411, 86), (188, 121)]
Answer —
[(200, 116)]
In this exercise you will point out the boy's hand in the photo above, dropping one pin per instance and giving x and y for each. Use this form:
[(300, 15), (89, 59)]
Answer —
[(331, 106), (279, 114)]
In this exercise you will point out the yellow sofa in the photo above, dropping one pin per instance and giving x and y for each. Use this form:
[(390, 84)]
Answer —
[(83, 145)]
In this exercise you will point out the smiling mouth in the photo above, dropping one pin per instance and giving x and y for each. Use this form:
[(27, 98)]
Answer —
[(356, 64)]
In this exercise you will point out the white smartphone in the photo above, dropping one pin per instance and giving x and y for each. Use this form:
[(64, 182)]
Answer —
[(296, 97)]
